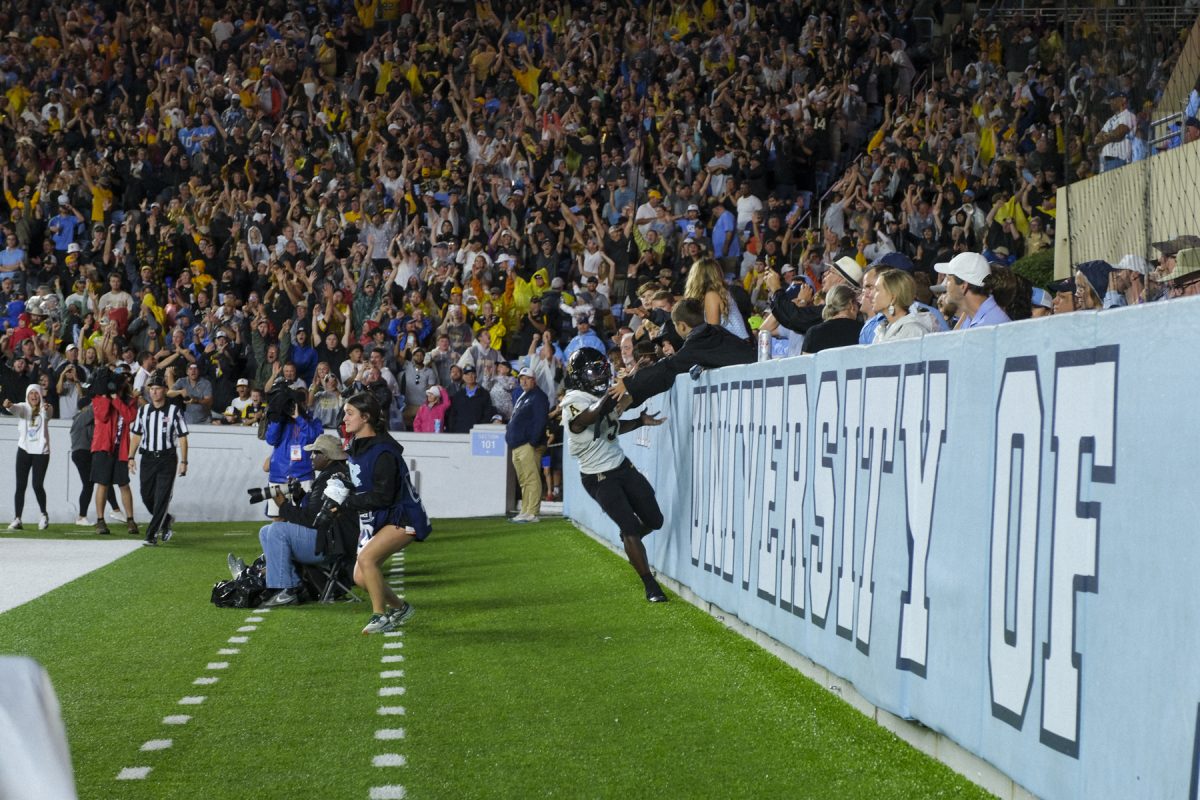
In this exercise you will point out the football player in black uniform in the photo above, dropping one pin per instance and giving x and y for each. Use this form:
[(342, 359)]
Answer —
[(593, 421)]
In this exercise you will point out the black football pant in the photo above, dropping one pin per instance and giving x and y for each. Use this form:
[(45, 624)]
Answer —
[(158, 480), (627, 497)]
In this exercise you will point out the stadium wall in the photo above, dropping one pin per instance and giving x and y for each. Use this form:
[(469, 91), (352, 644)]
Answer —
[(1125, 210), (991, 532), (457, 475)]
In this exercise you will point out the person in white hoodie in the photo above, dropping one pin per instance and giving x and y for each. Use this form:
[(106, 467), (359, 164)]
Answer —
[(895, 291), (33, 451)]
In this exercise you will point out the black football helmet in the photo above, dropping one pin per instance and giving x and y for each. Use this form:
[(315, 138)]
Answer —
[(588, 370)]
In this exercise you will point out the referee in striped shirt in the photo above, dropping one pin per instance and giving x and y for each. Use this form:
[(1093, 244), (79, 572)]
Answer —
[(157, 429)]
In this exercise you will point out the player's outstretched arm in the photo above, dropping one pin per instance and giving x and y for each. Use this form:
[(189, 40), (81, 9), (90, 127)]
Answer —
[(644, 419)]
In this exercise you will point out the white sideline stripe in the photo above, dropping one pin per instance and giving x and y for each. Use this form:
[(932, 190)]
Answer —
[(393, 645), (388, 793), (156, 744), (391, 659), (388, 734), (263, 610), (254, 619), (204, 681), (389, 760), (140, 773), (33, 567), (391, 673), (391, 691), (228, 651), (390, 711), (192, 700), (176, 719), (394, 633), (247, 628), (218, 665), (238, 639)]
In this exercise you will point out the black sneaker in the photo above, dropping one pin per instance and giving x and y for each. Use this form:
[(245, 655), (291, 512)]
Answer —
[(102, 528), (150, 541), (284, 597), (167, 532), (655, 594), (132, 527)]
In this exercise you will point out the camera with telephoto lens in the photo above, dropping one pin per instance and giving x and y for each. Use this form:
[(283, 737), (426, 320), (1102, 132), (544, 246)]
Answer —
[(328, 511), (259, 494), (295, 492), (325, 516)]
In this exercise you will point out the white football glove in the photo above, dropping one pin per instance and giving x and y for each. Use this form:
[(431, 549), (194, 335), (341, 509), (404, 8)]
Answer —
[(336, 491)]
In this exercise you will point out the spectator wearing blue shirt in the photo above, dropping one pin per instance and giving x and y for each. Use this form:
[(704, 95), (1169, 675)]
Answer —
[(526, 436), (689, 225), (66, 226), (193, 139), (304, 356), (968, 288), (727, 247), (12, 259), (584, 337)]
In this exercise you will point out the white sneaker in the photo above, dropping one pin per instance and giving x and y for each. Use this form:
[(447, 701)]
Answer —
[(15, 525), (116, 516), (43, 522), (520, 518), (82, 522)]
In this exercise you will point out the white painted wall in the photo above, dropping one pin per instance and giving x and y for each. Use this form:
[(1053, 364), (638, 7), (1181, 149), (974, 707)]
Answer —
[(225, 462)]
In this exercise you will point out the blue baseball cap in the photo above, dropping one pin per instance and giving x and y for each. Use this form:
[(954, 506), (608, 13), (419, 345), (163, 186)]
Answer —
[(895, 260), (1042, 298)]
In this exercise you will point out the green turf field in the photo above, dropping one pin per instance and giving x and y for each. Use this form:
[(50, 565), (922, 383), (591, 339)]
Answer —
[(532, 668)]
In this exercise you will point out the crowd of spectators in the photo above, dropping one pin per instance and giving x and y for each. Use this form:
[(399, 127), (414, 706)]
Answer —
[(411, 199)]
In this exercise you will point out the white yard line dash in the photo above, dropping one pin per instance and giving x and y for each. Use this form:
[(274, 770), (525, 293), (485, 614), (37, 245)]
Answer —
[(389, 734), (388, 793)]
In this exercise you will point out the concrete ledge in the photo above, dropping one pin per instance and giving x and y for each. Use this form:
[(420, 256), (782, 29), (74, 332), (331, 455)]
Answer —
[(927, 740)]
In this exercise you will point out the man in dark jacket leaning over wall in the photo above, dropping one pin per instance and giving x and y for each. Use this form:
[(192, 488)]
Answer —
[(705, 346)]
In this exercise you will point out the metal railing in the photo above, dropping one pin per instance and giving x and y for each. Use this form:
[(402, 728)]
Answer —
[(1137, 13), (1164, 122)]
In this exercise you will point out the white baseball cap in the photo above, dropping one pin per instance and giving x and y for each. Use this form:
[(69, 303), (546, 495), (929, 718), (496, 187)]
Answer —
[(970, 268)]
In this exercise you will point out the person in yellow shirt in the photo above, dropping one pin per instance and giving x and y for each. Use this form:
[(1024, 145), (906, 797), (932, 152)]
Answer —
[(102, 194), (28, 198), (367, 11), (17, 96), (389, 11)]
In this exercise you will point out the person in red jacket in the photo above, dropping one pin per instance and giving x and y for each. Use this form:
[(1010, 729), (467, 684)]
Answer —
[(114, 408), (431, 416)]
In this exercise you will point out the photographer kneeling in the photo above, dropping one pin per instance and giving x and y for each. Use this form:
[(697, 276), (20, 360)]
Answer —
[(300, 535)]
